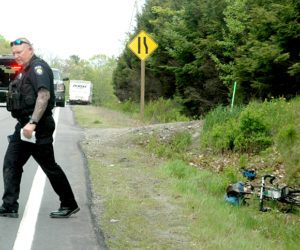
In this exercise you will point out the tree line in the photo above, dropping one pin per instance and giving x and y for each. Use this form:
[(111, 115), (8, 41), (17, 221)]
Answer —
[(98, 69), (4, 46), (206, 46)]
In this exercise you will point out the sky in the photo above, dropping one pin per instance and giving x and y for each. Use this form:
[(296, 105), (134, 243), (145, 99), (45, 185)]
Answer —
[(61, 28)]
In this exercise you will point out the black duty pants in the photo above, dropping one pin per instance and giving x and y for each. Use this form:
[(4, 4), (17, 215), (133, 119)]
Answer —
[(17, 154)]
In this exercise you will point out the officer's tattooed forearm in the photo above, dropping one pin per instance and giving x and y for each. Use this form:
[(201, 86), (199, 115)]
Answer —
[(41, 104)]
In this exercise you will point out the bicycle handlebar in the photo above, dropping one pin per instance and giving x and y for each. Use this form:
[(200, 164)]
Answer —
[(272, 177)]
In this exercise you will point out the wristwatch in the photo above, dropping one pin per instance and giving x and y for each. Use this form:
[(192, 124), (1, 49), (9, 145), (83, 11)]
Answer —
[(32, 122)]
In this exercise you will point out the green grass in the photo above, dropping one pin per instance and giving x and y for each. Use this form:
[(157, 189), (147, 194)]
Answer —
[(93, 117), (223, 226)]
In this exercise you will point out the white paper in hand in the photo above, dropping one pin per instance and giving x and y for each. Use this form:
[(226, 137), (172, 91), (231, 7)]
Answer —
[(32, 139)]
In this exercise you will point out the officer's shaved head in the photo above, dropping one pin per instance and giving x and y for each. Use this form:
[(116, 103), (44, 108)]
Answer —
[(28, 43), (22, 52)]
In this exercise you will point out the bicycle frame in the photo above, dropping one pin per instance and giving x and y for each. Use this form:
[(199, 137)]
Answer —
[(286, 194), (274, 194)]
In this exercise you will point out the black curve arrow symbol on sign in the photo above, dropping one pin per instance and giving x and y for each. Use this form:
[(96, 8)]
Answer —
[(145, 43), (139, 45)]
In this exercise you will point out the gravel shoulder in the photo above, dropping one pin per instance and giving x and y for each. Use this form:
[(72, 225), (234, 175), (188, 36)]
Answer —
[(133, 204)]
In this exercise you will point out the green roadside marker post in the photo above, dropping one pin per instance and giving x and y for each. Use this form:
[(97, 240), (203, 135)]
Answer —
[(233, 94)]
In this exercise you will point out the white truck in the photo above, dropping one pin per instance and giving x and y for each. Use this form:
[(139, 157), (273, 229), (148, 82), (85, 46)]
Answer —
[(80, 92)]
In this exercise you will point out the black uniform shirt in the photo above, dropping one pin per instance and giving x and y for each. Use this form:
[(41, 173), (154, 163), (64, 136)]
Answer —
[(39, 75)]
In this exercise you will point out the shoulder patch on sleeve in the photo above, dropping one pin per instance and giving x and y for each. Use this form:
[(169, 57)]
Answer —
[(38, 70)]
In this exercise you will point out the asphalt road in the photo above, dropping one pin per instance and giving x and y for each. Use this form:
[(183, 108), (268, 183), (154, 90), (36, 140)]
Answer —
[(34, 229)]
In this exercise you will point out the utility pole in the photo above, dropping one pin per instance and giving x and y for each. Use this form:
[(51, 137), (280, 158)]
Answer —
[(137, 7), (142, 96)]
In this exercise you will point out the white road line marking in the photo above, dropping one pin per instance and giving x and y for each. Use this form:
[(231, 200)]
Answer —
[(26, 230)]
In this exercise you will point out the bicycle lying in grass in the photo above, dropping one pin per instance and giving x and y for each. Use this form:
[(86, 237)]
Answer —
[(286, 194)]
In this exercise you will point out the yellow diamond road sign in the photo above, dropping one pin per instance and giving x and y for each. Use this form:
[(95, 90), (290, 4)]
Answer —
[(142, 45)]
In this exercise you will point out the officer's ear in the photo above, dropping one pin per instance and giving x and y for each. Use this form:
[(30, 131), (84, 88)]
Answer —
[(30, 49)]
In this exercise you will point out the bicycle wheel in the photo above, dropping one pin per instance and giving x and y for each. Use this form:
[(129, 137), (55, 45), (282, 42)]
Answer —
[(292, 197)]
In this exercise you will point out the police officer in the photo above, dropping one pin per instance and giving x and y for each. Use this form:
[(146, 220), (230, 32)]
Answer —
[(30, 100)]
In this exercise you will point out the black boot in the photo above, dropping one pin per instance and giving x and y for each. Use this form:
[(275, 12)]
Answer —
[(64, 212), (5, 212)]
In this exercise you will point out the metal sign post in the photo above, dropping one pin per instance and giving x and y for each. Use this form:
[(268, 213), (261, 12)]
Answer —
[(142, 46), (142, 89)]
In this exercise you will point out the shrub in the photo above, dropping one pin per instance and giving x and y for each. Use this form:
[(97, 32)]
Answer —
[(247, 130), (254, 132), (252, 121), (129, 106), (156, 147), (231, 175), (221, 115), (287, 136), (220, 128), (223, 136), (180, 142), (164, 111), (174, 148), (254, 143), (288, 145), (97, 122), (243, 161)]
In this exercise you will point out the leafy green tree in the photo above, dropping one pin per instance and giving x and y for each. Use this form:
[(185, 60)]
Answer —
[(262, 45), (192, 34), (181, 66), (101, 76), (205, 46), (126, 77), (160, 82), (4, 46), (97, 69)]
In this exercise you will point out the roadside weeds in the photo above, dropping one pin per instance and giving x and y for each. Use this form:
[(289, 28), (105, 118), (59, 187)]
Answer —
[(139, 207)]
